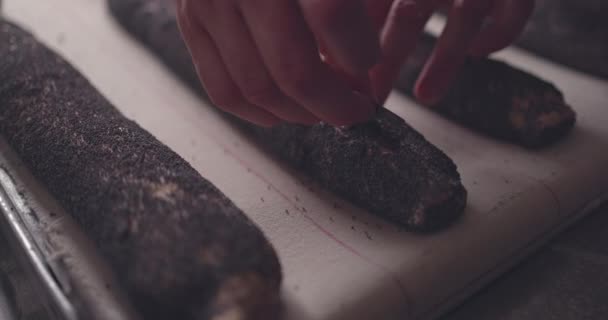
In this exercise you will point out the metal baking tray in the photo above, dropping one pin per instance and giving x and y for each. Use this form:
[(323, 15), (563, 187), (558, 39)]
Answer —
[(62, 265)]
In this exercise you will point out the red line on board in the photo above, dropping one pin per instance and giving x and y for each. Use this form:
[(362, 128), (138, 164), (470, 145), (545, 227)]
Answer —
[(328, 233)]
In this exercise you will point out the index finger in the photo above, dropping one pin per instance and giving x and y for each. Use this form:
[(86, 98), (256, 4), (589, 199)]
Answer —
[(346, 30), (509, 18), (464, 22), (289, 51)]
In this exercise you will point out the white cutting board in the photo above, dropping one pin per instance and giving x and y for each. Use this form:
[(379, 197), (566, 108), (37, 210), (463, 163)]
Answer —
[(340, 262)]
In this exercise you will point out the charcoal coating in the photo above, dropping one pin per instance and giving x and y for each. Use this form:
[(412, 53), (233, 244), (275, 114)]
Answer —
[(573, 33), (497, 99), (384, 166), (178, 246)]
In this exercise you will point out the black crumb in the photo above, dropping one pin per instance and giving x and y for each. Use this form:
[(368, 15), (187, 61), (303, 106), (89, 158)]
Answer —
[(368, 236)]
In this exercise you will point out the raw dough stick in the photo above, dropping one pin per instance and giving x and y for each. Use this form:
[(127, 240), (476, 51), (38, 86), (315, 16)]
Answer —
[(180, 248), (497, 99), (573, 33), (384, 166)]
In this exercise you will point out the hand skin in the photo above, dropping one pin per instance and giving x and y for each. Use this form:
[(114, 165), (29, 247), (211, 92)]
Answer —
[(305, 61)]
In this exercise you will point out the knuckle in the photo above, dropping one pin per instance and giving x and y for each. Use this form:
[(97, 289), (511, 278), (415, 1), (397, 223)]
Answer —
[(298, 84), (261, 94)]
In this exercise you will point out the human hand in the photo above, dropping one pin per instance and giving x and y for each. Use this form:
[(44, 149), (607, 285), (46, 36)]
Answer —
[(474, 27), (259, 59)]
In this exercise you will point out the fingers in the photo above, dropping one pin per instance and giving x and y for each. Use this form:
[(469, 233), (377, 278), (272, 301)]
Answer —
[(508, 19), (289, 51), (346, 30), (213, 73), (378, 11), (465, 19), (404, 24), (245, 66)]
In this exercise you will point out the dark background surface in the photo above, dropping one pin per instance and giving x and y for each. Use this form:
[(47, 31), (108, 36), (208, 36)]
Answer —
[(566, 279)]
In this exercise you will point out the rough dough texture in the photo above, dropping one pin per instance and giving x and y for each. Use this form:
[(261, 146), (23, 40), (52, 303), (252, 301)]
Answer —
[(497, 99), (179, 247), (384, 166)]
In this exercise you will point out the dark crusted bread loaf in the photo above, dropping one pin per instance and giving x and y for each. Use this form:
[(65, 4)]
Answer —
[(384, 166), (497, 99), (179, 247)]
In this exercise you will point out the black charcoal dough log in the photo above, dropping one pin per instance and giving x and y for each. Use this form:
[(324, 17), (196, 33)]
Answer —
[(570, 32), (497, 99), (384, 166), (180, 248)]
